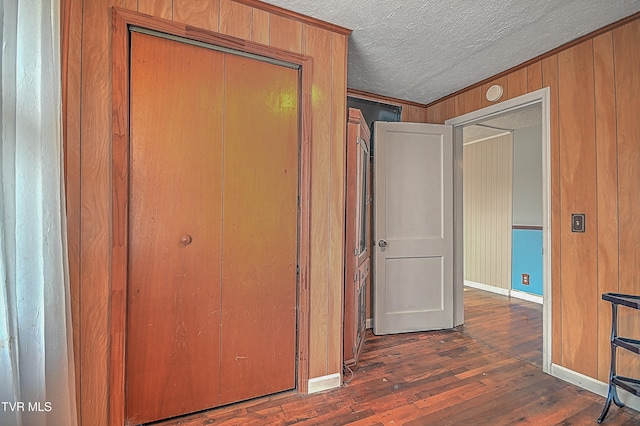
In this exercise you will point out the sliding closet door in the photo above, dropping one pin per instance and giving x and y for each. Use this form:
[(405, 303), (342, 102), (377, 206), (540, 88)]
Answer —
[(213, 220), (175, 227), (259, 250)]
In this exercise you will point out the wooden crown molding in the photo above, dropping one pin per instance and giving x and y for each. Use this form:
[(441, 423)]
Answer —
[(296, 16)]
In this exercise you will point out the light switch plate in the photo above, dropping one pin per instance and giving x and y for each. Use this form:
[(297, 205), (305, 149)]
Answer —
[(577, 222)]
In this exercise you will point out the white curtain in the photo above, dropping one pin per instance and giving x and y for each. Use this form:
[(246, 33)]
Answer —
[(36, 356)]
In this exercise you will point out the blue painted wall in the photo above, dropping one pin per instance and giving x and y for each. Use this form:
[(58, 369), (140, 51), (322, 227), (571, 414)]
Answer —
[(527, 259)]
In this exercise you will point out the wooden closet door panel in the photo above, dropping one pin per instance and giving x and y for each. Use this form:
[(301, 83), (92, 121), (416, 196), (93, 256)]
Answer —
[(173, 318), (259, 255)]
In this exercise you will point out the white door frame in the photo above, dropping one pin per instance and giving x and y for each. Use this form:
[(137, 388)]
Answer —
[(542, 97)]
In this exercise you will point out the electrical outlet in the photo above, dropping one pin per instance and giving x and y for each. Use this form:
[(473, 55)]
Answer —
[(525, 279)]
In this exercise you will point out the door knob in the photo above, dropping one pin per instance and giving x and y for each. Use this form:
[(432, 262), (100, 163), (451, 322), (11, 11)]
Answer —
[(186, 239), (382, 243)]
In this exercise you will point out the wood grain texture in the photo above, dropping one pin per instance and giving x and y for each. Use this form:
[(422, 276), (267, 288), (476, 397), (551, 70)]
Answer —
[(95, 206), (120, 212), (286, 34), (607, 191), (543, 72), (202, 14), (259, 247), (159, 8), (578, 195), (91, 297), (549, 77), (260, 32), (276, 10), (479, 374), (468, 101), (71, 89), (357, 134), (436, 114), (235, 19), (627, 87), (317, 44), (534, 76), (502, 81), (517, 83), (173, 289), (337, 196), (413, 114)]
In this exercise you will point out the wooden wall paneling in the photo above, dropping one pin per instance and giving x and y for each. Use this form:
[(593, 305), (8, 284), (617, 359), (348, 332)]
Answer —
[(607, 191), (469, 169), (487, 204), (534, 76), (507, 180), (517, 83), (578, 195), (434, 114), (468, 101), (492, 227), (450, 108), (627, 83), (317, 44), (158, 8), (90, 59), (261, 22), (286, 33), (95, 206), (120, 208), (413, 114), (502, 81), (337, 207), (235, 19), (549, 78), (71, 26), (197, 13)]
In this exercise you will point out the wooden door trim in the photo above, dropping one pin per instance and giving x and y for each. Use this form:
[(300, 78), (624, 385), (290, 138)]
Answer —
[(121, 20)]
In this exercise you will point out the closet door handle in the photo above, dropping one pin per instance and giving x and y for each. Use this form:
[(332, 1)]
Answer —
[(186, 239)]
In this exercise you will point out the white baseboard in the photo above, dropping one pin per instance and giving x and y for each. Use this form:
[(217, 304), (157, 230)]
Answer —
[(593, 385), (369, 323), (527, 296), (486, 287), (319, 384), (505, 291)]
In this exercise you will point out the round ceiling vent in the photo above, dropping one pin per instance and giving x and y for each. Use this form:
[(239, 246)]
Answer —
[(494, 93)]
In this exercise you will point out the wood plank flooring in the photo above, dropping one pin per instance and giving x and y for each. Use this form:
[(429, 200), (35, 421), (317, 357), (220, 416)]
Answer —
[(487, 372)]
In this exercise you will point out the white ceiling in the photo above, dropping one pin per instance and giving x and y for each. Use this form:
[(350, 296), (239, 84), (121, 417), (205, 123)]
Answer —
[(422, 50), (513, 120)]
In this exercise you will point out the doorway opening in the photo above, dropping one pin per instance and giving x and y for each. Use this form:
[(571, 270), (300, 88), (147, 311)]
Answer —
[(514, 212)]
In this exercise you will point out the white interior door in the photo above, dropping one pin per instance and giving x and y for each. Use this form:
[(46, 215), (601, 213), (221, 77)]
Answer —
[(413, 254)]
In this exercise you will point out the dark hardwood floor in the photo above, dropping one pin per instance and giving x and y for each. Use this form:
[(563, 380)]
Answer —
[(487, 372)]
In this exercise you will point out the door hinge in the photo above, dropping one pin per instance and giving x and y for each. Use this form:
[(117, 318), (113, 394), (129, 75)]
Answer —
[(355, 276), (355, 251), (298, 270)]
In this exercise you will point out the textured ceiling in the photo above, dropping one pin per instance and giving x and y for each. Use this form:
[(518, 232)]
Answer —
[(421, 50), (513, 120)]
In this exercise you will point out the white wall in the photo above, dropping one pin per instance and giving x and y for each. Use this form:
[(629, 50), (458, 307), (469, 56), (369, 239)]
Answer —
[(527, 176), (487, 193)]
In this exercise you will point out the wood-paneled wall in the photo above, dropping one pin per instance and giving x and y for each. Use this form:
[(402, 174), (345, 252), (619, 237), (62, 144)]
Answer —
[(488, 197), (86, 28), (595, 169)]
